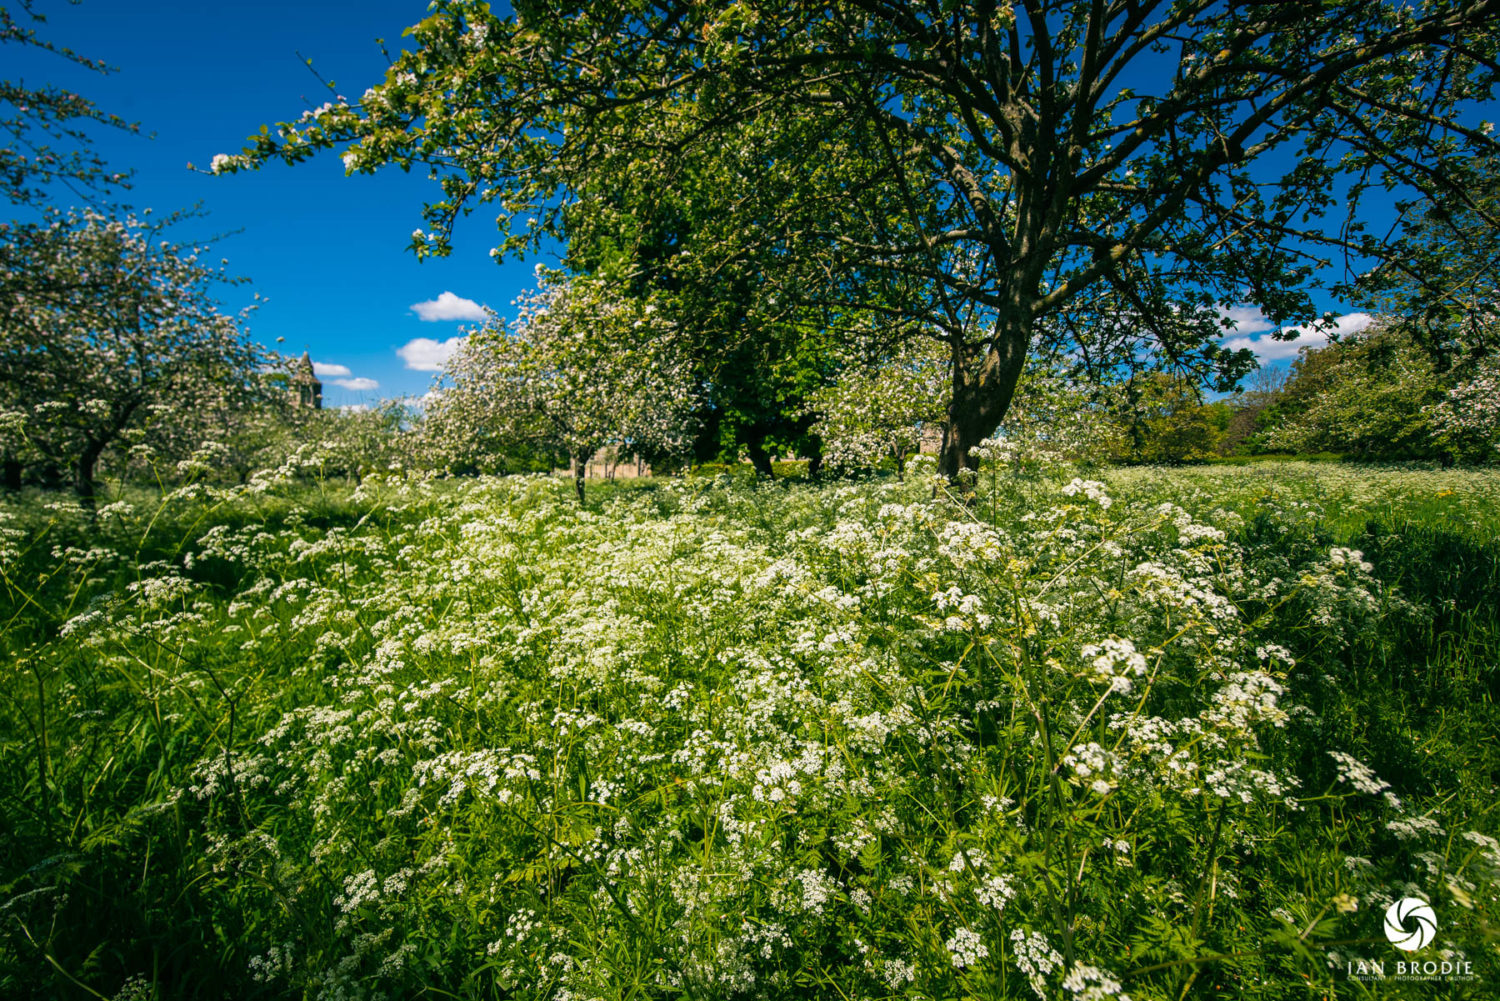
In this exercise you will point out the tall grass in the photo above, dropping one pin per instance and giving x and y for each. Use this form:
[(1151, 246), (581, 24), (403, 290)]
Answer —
[(1166, 734)]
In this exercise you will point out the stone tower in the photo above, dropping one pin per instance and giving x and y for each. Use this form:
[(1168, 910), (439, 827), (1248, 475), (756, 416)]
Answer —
[(305, 385)]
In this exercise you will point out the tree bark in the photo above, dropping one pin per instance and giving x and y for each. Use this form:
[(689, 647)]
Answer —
[(580, 470), (814, 447), (758, 457), (83, 473), (980, 400)]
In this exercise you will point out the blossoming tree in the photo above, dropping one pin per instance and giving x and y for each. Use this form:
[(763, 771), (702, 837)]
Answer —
[(1466, 421), (108, 329), (578, 370), (882, 411)]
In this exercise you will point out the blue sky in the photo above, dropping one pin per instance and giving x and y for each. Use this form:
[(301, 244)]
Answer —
[(326, 251)]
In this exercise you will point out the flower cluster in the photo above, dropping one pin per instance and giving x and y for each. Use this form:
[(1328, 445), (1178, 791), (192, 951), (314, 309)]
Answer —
[(477, 734)]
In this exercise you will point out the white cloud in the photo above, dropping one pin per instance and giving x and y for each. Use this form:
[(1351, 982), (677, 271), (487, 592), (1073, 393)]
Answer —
[(449, 307), (1268, 349), (427, 355), (1247, 319), (324, 368), (358, 384)]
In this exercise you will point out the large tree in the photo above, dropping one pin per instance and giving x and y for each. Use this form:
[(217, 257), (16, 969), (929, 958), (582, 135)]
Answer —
[(1368, 396), (755, 356), (1024, 170), (110, 329)]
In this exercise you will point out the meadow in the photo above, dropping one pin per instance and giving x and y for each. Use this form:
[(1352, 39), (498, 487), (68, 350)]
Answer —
[(1147, 733)]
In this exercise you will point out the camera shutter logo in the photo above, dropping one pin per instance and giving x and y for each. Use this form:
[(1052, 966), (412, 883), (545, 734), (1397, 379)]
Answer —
[(1410, 924)]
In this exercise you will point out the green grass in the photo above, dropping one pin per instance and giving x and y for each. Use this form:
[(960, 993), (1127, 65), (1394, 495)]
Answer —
[(1272, 457), (713, 738)]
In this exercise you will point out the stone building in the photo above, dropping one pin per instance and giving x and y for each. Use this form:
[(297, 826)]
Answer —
[(306, 389)]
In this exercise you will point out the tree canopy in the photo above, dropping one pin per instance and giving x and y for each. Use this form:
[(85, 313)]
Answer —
[(1441, 280), (756, 353), (578, 370), (1095, 177), (1383, 394)]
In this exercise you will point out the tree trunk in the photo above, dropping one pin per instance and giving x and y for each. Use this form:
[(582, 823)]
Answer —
[(580, 470), (980, 401), (83, 474), (758, 457)]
